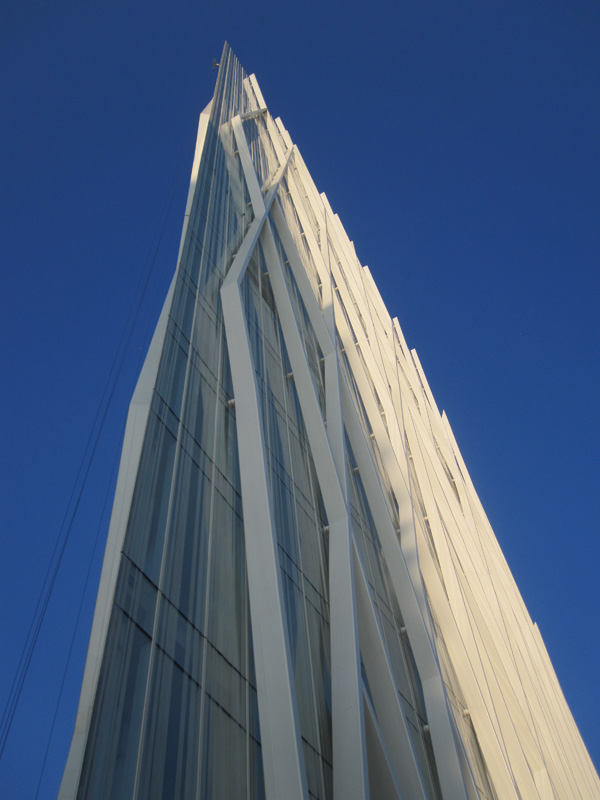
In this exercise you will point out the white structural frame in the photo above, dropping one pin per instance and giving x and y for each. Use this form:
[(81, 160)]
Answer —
[(351, 778), (417, 624), (283, 761), (503, 705), (496, 718)]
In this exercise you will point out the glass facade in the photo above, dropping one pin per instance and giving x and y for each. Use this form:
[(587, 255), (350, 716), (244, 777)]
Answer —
[(171, 707)]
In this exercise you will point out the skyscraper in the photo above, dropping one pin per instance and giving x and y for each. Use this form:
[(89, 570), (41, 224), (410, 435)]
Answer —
[(301, 595)]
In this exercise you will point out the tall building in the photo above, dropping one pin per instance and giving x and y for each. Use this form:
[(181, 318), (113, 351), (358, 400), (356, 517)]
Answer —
[(301, 595)]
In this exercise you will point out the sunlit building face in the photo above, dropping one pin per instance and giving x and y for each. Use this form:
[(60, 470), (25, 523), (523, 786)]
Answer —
[(301, 594)]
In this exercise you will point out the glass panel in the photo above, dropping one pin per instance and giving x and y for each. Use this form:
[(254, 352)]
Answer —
[(256, 782), (224, 755), (312, 762), (300, 659), (186, 559), (146, 529), (227, 592), (171, 376), (310, 540), (226, 686), (169, 765), (183, 643), (110, 761), (136, 596)]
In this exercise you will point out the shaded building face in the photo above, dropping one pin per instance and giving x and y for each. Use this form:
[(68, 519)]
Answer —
[(301, 595)]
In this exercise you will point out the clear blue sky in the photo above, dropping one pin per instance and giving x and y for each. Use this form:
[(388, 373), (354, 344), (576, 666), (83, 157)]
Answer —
[(459, 143)]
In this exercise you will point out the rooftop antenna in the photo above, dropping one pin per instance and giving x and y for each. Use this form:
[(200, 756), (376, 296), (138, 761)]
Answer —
[(215, 64)]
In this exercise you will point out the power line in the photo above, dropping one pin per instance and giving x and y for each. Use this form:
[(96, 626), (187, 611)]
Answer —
[(83, 472)]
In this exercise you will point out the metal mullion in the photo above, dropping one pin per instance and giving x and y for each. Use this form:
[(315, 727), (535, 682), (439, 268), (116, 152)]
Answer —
[(445, 557), (310, 300), (458, 606), (358, 292), (460, 543), (302, 589), (436, 702), (392, 465), (390, 715), (311, 303), (516, 735), (412, 375), (383, 781), (313, 246), (349, 746), (283, 760), (462, 647)]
